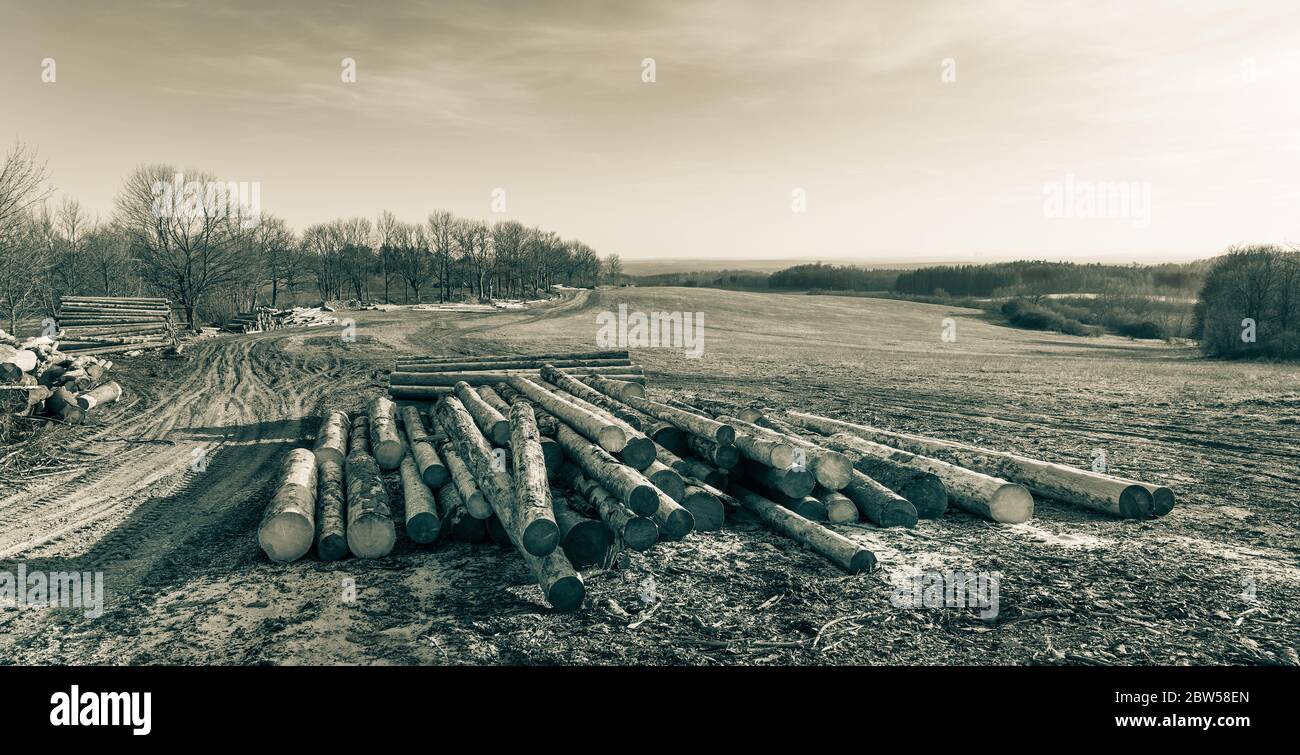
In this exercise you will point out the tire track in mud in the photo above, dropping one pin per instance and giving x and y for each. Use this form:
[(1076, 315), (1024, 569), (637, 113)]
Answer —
[(220, 435)]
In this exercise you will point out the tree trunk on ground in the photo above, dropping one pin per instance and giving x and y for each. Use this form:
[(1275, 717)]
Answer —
[(833, 546), (288, 525), (418, 506), (331, 530), (386, 445)]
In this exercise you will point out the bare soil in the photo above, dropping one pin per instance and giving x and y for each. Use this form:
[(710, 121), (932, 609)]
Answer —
[(163, 492)]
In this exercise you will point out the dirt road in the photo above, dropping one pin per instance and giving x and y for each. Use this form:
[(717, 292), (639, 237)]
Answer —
[(166, 502)]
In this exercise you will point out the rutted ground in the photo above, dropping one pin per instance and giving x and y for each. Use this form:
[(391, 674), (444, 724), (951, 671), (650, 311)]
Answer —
[(1216, 581)]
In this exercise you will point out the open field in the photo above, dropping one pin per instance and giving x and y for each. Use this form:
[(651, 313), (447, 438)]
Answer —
[(175, 480)]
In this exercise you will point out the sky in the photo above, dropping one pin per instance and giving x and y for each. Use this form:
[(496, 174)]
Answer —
[(902, 130)]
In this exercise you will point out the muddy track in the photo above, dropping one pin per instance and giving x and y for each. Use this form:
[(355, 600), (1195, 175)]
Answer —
[(208, 446)]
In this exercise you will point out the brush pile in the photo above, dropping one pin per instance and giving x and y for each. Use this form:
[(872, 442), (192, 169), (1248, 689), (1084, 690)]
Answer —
[(106, 324), (565, 458), (267, 318), (37, 379)]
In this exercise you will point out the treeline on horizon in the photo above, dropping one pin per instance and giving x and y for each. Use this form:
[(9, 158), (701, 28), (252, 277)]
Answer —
[(213, 257)]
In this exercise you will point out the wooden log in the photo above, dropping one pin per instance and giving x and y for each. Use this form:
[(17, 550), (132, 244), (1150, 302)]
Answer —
[(534, 513), (443, 359), (561, 585), (385, 444), (795, 482), (667, 435), (370, 531), (617, 386), (16, 361), (674, 521), (456, 519), (491, 377), (636, 532), (493, 424), (878, 504), (421, 512), (840, 509), (990, 497), (761, 446), (117, 300), (599, 429), (667, 480), (62, 404), (831, 545), (105, 394), (332, 438), (586, 542), (359, 435), (706, 510), (532, 364), (691, 467), (638, 451), (551, 450), (331, 528), (475, 502), (694, 424), (831, 468), (119, 349), (924, 490), (435, 392), (288, 525), (724, 456), (592, 396), (432, 469), (627, 484), (519, 505), (1108, 494), (546, 424)]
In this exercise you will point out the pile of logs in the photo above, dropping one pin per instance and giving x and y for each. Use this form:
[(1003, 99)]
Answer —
[(37, 379), (567, 464), (267, 318), (107, 324)]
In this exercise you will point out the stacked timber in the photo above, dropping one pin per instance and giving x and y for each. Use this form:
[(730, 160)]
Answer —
[(38, 378), (428, 378), (108, 324), (263, 319)]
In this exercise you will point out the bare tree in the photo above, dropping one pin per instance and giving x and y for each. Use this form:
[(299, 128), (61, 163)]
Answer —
[(441, 236), (275, 246), (474, 240), (186, 238), (612, 269)]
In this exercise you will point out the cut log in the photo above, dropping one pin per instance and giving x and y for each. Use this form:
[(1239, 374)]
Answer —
[(493, 424), (63, 404), (674, 521), (638, 451), (990, 497), (1112, 495), (795, 482), (636, 532), (724, 456), (617, 384), (435, 392), (667, 480), (23, 359), (332, 438), (586, 542), (456, 519), (534, 513), (694, 424), (831, 545), (592, 396), (878, 504), (288, 524), (531, 528), (599, 429), (840, 509), (371, 532), (761, 446), (923, 489), (105, 394), (331, 529), (513, 357), (491, 377), (421, 512), (691, 467), (831, 468), (627, 484), (475, 502), (432, 470), (546, 424), (529, 364), (385, 444), (706, 510)]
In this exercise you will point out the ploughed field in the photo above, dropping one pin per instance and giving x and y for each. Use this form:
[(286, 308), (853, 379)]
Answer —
[(1215, 581)]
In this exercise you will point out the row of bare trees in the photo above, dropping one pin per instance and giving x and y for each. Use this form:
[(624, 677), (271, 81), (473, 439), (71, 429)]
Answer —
[(194, 242)]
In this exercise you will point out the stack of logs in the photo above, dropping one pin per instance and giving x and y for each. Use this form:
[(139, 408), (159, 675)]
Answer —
[(267, 318), (36, 378), (568, 461), (106, 324)]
